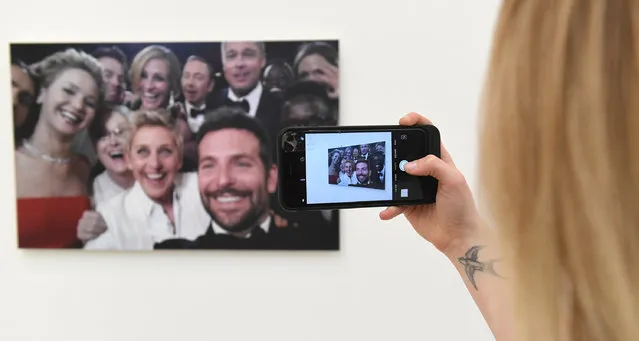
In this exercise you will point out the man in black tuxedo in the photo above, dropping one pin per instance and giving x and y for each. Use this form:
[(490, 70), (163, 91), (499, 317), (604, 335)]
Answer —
[(277, 77), (363, 174), (198, 81), (363, 151), (114, 65), (377, 163), (237, 176), (243, 63)]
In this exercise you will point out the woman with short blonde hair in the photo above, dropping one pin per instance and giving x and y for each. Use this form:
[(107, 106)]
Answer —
[(163, 203), (554, 256), (156, 118)]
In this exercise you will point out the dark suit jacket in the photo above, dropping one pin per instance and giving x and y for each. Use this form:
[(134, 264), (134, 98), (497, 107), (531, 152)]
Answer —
[(190, 157), (208, 101), (374, 185), (285, 238), (269, 111)]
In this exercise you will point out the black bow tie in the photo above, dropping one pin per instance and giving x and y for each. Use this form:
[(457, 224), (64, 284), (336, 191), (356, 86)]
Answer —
[(196, 112), (212, 240), (256, 233), (227, 241), (243, 104)]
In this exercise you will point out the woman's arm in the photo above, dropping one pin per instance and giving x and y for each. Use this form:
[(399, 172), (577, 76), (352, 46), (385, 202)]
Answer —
[(454, 226), (479, 261)]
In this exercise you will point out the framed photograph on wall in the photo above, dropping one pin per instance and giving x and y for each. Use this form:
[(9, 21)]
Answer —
[(165, 145)]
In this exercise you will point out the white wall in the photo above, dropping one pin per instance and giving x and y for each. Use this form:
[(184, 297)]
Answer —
[(385, 284)]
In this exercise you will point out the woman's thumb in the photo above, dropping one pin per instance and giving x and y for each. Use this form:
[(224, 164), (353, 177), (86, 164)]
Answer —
[(431, 165)]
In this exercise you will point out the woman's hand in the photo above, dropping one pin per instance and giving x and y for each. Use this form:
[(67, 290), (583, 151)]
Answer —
[(90, 226), (279, 221), (453, 219), (128, 98), (453, 225)]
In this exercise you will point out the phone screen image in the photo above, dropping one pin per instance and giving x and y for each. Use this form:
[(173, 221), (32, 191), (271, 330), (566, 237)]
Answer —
[(350, 168)]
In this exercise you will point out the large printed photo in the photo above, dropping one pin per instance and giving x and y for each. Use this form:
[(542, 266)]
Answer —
[(149, 146)]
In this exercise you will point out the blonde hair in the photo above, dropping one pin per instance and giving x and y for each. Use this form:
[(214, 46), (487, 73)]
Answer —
[(157, 52), (560, 165), (156, 118), (122, 110), (49, 69), (344, 162)]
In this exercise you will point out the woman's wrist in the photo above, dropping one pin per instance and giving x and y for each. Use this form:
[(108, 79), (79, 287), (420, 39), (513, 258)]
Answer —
[(477, 235)]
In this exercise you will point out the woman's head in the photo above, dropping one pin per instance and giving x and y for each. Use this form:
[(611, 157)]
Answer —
[(559, 163), (348, 153), (336, 156), (111, 143), (155, 76), (318, 61), (72, 91), (355, 153), (347, 167), (155, 152)]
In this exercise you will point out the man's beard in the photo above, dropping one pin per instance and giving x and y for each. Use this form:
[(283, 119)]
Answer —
[(248, 221)]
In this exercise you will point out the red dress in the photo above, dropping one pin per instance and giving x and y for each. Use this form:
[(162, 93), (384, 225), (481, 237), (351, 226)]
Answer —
[(50, 223)]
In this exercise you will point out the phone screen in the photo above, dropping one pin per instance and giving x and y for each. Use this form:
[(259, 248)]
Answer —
[(349, 168)]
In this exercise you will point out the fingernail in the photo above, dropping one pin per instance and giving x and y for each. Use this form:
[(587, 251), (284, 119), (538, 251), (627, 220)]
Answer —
[(410, 166)]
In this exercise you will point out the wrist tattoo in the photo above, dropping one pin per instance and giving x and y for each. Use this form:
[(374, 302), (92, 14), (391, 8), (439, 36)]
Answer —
[(472, 264)]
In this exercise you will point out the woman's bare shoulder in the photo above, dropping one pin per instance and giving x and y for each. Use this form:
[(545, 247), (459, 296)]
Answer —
[(30, 178)]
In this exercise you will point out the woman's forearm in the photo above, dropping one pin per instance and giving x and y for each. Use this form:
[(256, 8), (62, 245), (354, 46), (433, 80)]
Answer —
[(480, 263)]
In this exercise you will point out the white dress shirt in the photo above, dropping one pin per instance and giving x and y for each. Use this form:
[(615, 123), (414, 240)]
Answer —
[(253, 98), (345, 180), (104, 188), (135, 222), (194, 122)]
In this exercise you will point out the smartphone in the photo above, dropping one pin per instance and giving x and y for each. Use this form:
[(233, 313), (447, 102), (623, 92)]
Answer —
[(342, 167)]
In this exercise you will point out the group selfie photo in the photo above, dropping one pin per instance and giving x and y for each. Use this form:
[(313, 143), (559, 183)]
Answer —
[(161, 145), (359, 165)]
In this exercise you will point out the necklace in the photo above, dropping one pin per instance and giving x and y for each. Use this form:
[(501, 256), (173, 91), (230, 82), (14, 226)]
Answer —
[(45, 156)]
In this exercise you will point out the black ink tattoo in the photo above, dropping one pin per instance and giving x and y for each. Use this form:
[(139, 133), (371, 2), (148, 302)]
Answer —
[(471, 264)]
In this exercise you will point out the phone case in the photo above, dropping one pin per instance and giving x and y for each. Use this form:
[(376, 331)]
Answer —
[(429, 184)]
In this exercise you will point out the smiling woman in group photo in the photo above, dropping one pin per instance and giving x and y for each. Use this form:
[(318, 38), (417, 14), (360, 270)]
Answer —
[(113, 174), (163, 203), (51, 179)]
